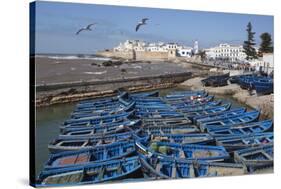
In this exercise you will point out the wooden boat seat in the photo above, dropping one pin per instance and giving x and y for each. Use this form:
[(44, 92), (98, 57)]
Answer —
[(82, 158)]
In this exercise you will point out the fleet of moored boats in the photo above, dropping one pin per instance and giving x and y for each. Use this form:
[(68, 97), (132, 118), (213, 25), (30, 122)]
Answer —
[(184, 134), (261, 84)]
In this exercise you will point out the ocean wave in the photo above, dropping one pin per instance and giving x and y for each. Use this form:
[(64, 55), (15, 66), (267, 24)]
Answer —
[(96, 73), (73, 57)]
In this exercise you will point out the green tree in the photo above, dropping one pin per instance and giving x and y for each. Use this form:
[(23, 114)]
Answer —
[(248, 45), (266, 43)]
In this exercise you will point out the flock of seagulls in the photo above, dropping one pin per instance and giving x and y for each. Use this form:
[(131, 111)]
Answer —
[(89, 27)]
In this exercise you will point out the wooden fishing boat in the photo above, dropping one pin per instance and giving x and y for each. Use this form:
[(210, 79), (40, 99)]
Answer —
[(237, 142), (168, 168), (170, 129), (197, 138), (183, 151), (91, 156), (255, 157), (102, 130), (208, 111), (87, 121), (250, 128), (235, 120), (74, 143), (229, 113), (92, 173)]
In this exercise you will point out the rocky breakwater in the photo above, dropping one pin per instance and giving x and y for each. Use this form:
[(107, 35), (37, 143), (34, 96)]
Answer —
[(265, 103)]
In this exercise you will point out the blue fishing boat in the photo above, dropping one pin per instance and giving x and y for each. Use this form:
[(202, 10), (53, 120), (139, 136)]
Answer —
[(103, 107), (250, 128), (198, 101), (158, 114), (148, 99), (255, 157), (187, 92), (87, 121), (92, 173), (237, 142), (97, 104), (216, 81), (196, 106), (187, 96), (102, 130), (207, 111), (74, 143), (179, 121), (145, 94), (77, 127), (197, 138), (235, 120), (229, 113), (210, 169), (169, 168), (91, 156), (97, 101), (100, 113), (183, 151), (170, 129), (263, 87)]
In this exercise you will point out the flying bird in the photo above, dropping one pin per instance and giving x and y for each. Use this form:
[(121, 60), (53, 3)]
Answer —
[(143, 22), (87, 28)]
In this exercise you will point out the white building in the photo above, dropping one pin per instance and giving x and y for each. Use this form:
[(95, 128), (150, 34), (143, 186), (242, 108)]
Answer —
[(226, 51), (137, 45), (185, 51), (129, 45)]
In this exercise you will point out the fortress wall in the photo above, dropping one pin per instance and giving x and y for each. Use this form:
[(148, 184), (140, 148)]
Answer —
[(141, 55), (116, 54)]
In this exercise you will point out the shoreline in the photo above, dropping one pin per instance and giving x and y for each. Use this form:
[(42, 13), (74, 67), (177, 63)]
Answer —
[(73, 93)]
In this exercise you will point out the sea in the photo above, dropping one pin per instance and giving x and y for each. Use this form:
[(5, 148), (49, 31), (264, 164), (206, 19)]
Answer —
[(71, 56)]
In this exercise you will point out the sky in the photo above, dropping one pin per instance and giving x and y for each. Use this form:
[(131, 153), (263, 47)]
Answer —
[(57, 23)]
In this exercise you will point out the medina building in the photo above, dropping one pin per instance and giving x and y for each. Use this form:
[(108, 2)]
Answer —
[(226, 52), (140, 46)]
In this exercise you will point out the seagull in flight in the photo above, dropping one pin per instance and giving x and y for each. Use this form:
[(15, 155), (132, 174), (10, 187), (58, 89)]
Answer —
[(87, 28), (143, 22)]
